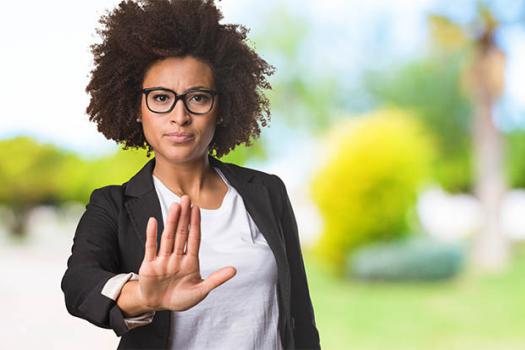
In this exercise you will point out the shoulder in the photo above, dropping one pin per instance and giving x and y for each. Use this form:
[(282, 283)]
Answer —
[(109, 198), (109, 192)]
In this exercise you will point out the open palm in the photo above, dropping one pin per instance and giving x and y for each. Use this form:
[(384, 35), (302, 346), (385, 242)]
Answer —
[(171, 279)]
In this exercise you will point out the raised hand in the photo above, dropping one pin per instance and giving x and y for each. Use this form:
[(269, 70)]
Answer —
[(171, 280)]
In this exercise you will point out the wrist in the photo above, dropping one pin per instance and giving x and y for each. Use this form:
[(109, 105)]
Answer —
[(131, 301), (144, 304)]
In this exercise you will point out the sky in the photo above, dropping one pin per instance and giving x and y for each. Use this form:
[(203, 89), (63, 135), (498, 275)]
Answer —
[(46, 59)]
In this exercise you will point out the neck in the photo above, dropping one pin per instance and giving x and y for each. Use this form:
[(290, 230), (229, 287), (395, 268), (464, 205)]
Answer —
[(190, 177)]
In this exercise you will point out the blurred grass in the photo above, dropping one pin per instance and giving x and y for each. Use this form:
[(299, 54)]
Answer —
[(485, 312)]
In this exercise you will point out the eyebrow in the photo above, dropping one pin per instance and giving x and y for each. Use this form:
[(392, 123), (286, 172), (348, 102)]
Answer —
[(188, 89)]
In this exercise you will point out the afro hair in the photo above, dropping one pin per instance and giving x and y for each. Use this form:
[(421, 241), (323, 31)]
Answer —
[(137, 34)]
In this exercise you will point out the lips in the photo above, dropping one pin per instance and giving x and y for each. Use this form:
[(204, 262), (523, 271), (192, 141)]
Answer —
[(179, 137)]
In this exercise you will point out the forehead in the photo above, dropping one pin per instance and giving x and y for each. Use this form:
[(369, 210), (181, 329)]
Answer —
[(179, 73)]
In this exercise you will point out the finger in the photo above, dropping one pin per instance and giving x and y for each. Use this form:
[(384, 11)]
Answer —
[(181, 235), (168, 236), (150, 252), (217, 278), (194, 238)]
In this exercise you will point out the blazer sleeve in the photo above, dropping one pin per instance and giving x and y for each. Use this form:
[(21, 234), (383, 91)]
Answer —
[(305, 331), (93, 261), (112, 290)]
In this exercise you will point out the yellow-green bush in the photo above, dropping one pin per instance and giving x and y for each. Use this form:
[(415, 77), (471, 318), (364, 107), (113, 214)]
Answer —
[(367, 182), (81, 176)]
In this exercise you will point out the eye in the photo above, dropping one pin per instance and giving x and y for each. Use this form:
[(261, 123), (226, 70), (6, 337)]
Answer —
[(200, 97), (160, 98)]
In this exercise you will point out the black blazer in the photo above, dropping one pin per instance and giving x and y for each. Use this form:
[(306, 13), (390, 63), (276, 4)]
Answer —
[(110, 239)]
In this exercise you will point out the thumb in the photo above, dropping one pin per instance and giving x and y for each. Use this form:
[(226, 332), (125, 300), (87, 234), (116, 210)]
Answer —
[(217, 278)]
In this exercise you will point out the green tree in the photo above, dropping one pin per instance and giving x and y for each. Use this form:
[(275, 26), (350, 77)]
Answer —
[(81, 176), (29, 177), (455, 95), (484, 80), (367, 187), (431, 88)]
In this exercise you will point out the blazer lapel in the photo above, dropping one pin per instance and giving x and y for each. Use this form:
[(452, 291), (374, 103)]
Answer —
[(255, 197), (144, 202)]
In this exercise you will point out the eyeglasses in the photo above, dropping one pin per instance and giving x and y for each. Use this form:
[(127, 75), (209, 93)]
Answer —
[(163, 100)]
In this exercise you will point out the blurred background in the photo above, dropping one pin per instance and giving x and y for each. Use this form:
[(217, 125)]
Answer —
[(397, 126)]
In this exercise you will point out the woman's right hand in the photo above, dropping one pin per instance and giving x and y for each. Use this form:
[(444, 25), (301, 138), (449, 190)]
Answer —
[(171, 279)]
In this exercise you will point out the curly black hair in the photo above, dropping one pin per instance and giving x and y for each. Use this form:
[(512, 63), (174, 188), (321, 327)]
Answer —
[(137, 34)]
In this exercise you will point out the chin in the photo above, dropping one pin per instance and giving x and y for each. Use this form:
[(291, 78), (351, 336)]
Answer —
[(179, 155)]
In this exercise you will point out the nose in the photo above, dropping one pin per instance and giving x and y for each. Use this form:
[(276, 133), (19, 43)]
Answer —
[(179, 114)]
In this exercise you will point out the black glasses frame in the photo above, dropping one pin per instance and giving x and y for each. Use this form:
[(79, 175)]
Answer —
[(182, 97)]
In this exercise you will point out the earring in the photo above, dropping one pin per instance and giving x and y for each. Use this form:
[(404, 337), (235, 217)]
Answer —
[(220, 121), (137, 120)]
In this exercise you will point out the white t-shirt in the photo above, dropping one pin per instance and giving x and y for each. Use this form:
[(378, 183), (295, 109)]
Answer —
[(243, 312)]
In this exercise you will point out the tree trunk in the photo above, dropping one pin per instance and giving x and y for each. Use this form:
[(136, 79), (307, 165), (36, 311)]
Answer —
[(491, 247), (18, 223)]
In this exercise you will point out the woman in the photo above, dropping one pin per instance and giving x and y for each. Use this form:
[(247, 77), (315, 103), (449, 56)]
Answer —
[(191, 252)]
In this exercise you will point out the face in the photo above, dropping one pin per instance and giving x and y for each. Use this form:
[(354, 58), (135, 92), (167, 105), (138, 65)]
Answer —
[(179, 74)]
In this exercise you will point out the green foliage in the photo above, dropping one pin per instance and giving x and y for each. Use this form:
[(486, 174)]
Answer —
[(515, 158), (368, 184), (412, 259), (431, 88), (81, 177), (28, 172), (242, 153)]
